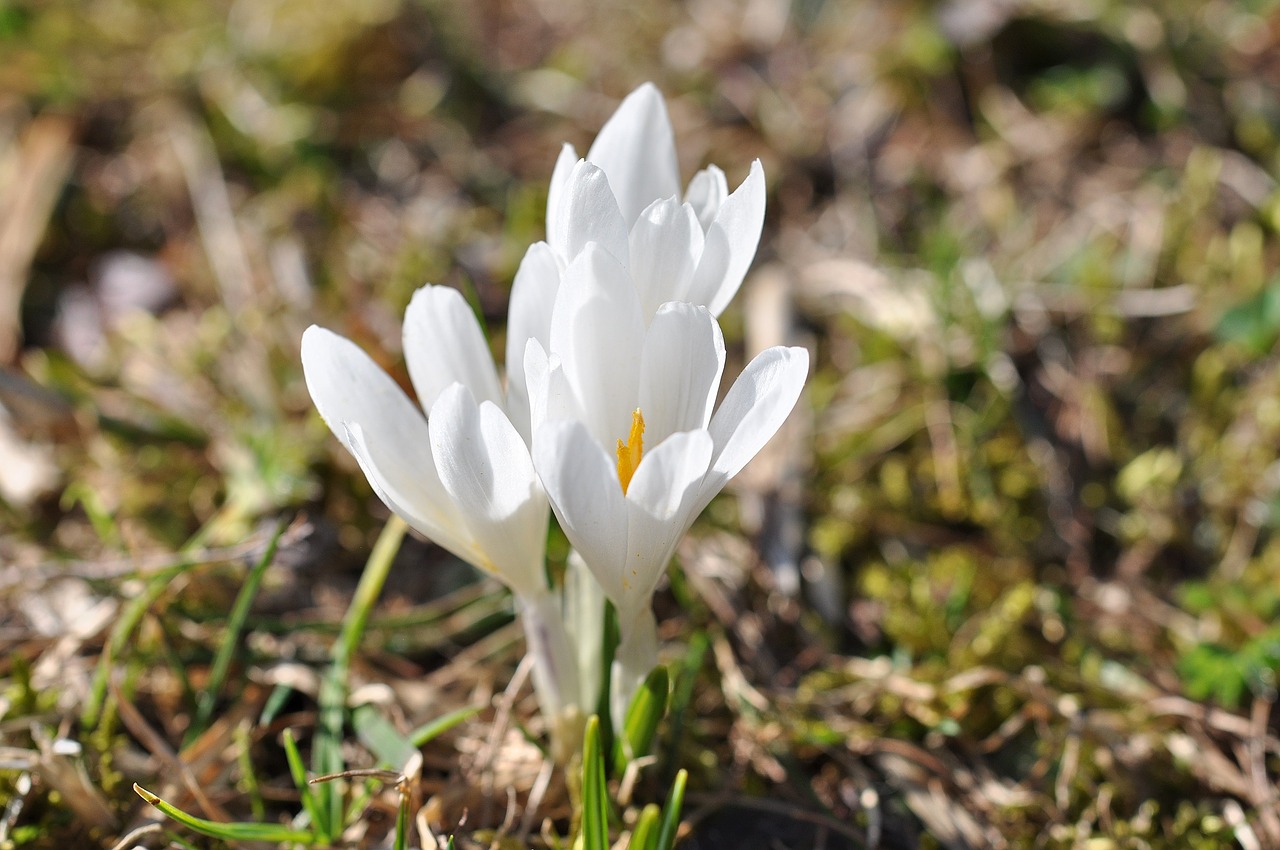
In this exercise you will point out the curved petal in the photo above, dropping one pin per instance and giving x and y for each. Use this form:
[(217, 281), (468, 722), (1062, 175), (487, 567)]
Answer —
[(754, 409), (662, 502), (443, 344), (680, 369), (550, 396), (707, 191), (665, 244), (637, 149), (597, 333), (537, 369), (529, 318), (588, 212), (555, 192), (409, 486), (582, 484), (735, 233), (485, 466), (385, 431)]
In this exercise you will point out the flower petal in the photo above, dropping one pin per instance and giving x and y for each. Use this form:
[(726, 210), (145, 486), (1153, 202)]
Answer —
[(661, 505), (582, 484), (410, 487), (754, 409), (443, 344), (550, 396), (680, 369), (529, 318), (665, 244), (555, 192), (588, 212), (385, 431), (597, 333), (731, 245), (485, 466), (707, 191), (637, 149)]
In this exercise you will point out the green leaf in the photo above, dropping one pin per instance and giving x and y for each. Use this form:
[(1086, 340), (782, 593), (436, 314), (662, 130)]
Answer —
[(272, 832), (641, 724), (671, 812), (645, 835), (402, 823), (1254, 324), (440, 725), (380, 736), (595, 801), (298, 772)]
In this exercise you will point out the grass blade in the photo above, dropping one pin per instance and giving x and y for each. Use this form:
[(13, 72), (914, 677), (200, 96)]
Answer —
[(298, 772), (402, 823), (327, 747), (437, 727), (671, 812), (595, 801), (272, 832), (231, 639), (645, 835), (641, 724)]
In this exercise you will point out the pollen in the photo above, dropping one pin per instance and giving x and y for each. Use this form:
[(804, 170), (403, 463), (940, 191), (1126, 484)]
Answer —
[(630, 451)]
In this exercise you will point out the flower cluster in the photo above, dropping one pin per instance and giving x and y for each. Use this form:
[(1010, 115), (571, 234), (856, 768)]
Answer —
[(613, 366)]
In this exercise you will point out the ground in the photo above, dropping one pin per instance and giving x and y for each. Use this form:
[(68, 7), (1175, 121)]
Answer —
[(1008, 577)]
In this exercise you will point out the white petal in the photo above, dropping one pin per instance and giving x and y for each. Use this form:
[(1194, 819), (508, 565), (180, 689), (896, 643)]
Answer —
[(408, 484), (754, 409), (443, 344), (529, 317), (680, 370), (550, 396), (597, 332), (661, 505), (637, 149), (588, 212), (666, 242), (582, 484), (717, 256), (536, 371), (385, 431), (485, 466), (707, 191), (731, 244), (555, 192)]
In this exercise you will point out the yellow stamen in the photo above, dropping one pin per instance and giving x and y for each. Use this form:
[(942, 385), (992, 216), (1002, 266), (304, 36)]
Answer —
[(629, 453)]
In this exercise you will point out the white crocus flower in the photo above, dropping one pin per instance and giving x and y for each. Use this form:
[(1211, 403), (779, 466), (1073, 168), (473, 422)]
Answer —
[(461, 475), (636, 154), (625, 438), (625, 197)]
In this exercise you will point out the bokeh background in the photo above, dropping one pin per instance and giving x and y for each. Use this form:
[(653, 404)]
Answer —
[(1009, 577)]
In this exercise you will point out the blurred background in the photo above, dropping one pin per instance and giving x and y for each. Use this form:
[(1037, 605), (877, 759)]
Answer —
[(1009, 575)]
